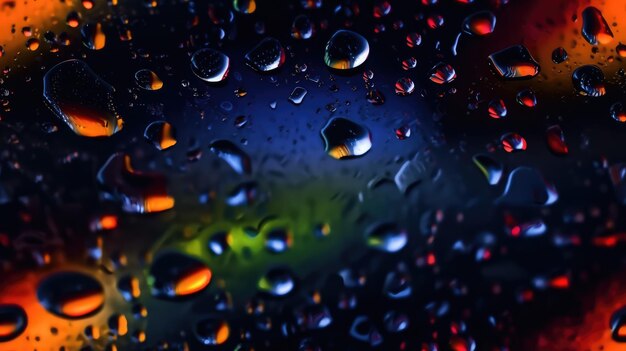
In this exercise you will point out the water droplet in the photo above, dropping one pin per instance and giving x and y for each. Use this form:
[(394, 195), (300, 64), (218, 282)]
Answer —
[(404, 86), (480, 23), (396, 322), (70, 295), (618, 112), (497, 109), (129, 288), (346, 50), (403, 132), (13, 322), (559, 55), (513, 142), (161, 134), (277, 282), (175, 275), (139, 192), (210, 65), (491, 169), (556, 140), (93, 36), (244, 6), (388, 237), (313, 317), (238, 160), (589, 80), (302, 28), (266, 56), (526, 187), (278, 240), (413, 39), (212, 331), (595, 29), (526, 97), (442, 73), (363, 329), (346, 139), (81, 99), (514, 62), (220, 242), (148, 80), (297, 95)]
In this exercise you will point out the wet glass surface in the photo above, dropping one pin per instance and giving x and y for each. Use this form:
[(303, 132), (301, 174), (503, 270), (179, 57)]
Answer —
[(312, 175)]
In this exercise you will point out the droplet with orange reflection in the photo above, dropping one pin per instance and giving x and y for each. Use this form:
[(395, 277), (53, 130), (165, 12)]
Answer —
[(73, 19), (93, 36), (139, 192), (83, 100), (514, 62), (175, 275), (480, 23), (71, 295), (589, 80), (595, 29), (212, 331), (13, 322)]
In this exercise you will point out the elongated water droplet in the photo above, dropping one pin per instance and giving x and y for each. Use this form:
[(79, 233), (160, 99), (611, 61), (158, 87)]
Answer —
[(388, 237), (277, 282), (70, 295), (81, 99), (595, 29), (514, 62), (175, 275)]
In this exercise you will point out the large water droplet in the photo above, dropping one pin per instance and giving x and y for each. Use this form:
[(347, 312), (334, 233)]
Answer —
[(266, 56), (70, 295), (81, 99), (175, 275), (595, 29), (139, 192), (210, 65), (346, 139), (526, 187), (514, 62), (346, 50)]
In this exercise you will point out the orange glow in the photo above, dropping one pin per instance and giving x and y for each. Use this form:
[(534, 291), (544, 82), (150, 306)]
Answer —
[(193, 282), (167, 139), (158, 203), (108, 222), (7, 329), (82, 305), (222, 334)]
